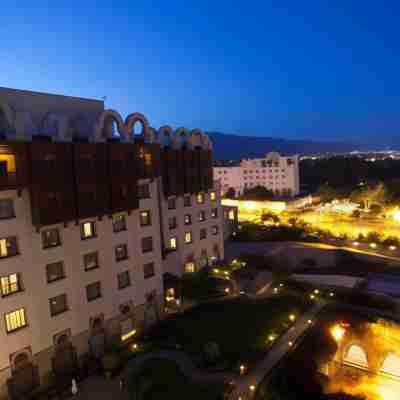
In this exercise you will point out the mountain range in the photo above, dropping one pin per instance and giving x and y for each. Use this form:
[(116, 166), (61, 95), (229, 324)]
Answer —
[(234, 147)]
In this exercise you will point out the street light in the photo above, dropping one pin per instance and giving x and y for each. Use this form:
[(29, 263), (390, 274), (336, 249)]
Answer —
[(292, 317)]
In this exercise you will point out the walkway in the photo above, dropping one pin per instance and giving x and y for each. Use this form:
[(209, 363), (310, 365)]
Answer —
[(242, 390)]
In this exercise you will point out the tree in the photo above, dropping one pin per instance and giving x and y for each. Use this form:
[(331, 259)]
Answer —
[(230, 193), (327, 193), (257, 193)]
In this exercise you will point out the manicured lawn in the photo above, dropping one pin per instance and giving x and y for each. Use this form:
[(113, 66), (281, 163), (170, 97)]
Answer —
[(162, 380), (240, 326)]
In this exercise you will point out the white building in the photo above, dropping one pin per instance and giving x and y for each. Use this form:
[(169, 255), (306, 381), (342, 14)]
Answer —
[(274, 172), (83, 248)]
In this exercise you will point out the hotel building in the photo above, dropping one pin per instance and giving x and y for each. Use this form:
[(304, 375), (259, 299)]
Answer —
[(274, 172), (91, 216)]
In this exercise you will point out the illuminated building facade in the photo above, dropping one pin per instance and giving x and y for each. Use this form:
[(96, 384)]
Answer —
[(86, 223), (274, 172)]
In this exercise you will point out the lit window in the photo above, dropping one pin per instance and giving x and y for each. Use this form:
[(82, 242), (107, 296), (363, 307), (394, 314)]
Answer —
[(8, 247), (58, 304), (55, 271), (214, 213), (188, 237), (7, 164), (190, 267), (213, 196), (119, 223), (173, 243), (231, 215), (121, 252), (51, 238), (200, 198), (147, 159), (145, 218), (10, 284), (88, 230), (214, 230), (187, 219), (202, 216), (15, 320)]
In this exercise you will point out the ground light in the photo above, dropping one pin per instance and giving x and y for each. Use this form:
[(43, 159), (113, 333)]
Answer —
[(292, 317), (309, 321), (227, 290), (290, 344), (271, 338)]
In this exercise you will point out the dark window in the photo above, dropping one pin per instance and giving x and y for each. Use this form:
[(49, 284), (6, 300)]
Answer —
[(202, 216), (148, 270), (145, 218), (88, 230), (93, 291), (172, 223), (119, 223), (58, 304), (147, 244), (10, 284), (15, 320), (214, 213), (171, 204), (124, 280), (203, 233), (91, 260), (144, 191), (187, 201), (51, 238), (214, 230), (8, 247), (55, 271), (187, 219), (124, 191), (121, 252), (7, 208)]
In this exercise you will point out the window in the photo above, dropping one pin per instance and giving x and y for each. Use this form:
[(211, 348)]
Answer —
[(231, 215), (119, 223), (172, 222), (121, 252), (214, 213), (93, 291), (91, 260), (200, 198), (148, 270), (189, 267), (147, 244), (213, 196), (88, 230), (145, 218), (124, 280), (173, 244), (188, 237), (7, 208), (51, 238), (144, 191), (15, 320), (187, 201), (203, 233), (202, 216), (214, 230), (58, 304), (55, 271), (10, 284), (8, 247), (187, 219), (172, 204), (7, 164)]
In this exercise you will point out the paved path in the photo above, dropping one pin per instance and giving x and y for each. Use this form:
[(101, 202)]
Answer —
[(253, 378)]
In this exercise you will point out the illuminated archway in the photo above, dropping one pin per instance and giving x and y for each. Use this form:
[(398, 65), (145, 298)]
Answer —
[(130, 123), (104, 125), (356, 356), (391, 365)]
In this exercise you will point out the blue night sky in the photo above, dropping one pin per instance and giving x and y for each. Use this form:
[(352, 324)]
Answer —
[(324, 70)]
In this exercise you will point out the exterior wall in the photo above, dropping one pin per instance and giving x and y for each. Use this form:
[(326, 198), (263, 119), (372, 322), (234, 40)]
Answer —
[(31, 265), (175, 260), (281, 177)]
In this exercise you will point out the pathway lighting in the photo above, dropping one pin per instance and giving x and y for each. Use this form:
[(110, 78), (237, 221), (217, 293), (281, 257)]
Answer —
[(331, 294), (338, 332), (316, 291), (227, 290), (290, 344), (281, 285), (312, 297), (309, 321), (242, 368), (356, 244), (276, 290), (252, 388), (392, 248), (292, 317), (373, 245), (271, 338)]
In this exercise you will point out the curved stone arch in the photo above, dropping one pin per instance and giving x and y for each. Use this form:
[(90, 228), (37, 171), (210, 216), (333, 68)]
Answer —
[(131, 120), (391, 364), (207, 143), (55, 125), (181, 136), (355, 354), (103, 125), (9, 114), (195, 139)]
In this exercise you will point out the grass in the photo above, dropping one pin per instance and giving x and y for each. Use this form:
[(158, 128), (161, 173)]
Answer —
[(239, 326), (162, 379)]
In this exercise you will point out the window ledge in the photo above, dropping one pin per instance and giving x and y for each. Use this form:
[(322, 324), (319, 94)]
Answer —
[(57, 279), (51, 246), (60, 312), (16, 330), (89, 237), (12, 293), (9, 256)]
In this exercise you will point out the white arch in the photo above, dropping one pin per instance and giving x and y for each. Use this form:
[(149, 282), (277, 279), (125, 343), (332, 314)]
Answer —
[(131, 120), (391, 365), (103, 126), (356, 356)]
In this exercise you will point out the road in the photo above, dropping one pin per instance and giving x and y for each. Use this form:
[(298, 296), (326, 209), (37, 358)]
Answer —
[(242, 389)]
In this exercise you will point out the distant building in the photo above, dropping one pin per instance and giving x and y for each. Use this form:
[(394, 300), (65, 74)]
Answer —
[(90, 220), (274, 172)]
